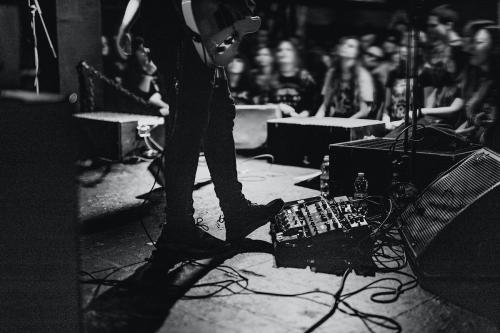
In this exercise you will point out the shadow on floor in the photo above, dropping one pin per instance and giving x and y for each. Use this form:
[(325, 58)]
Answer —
[(116, 218), (481, 297), (142, 302)]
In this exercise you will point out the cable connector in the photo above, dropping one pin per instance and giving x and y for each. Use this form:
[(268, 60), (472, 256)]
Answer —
[(144, 130)]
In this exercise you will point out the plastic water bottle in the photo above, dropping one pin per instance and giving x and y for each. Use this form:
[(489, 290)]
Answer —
[(324, 177), (394, 187), (360, 186)]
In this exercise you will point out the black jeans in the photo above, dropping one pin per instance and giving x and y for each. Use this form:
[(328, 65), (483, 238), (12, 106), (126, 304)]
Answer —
[(203, 112)]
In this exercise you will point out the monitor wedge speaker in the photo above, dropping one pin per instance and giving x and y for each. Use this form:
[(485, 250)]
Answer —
[(452, 230)]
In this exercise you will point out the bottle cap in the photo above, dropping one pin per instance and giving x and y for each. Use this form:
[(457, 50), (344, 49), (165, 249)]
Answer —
[(361, 174), (326, 158)]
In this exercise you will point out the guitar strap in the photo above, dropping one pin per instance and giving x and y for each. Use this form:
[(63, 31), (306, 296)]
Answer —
[(194, 36)]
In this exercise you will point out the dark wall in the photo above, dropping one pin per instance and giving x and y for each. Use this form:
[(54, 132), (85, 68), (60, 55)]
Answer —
[(10, 49), (79, 37)]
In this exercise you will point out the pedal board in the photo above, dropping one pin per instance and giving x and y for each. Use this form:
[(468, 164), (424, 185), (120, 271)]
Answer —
[(325, 235)]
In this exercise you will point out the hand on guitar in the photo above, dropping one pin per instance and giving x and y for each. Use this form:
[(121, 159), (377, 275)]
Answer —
[(219, 40)]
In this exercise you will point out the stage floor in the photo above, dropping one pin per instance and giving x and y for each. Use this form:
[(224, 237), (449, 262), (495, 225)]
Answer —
[(112, 237)]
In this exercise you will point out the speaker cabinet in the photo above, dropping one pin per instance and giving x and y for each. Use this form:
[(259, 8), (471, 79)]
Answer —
[(304, 141), (38, 209), (452, 230), (375, 158)]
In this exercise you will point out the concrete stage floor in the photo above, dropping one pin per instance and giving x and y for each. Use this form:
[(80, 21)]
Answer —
[(112, 237)]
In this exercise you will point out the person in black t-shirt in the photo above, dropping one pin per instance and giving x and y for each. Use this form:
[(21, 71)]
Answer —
[(239, 84), (201, 109), (443, 104), (261, 75), (292, 87), (444, 51)]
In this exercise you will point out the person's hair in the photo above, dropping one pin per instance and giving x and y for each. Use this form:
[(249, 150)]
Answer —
[(399, 17), (474, 26), (137, 43), (445, 14)]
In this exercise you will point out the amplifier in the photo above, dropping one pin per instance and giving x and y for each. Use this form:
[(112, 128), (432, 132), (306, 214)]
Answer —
[(114, 135), (374, 157), (304, 141), (326, 235)]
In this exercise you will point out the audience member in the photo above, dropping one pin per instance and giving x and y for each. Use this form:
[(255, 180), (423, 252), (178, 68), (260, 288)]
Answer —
[(441, 23), (444, 46), (348, 89), (141, 76), (373, 62), (391, 41), (261, 75), (401, 23), (293, 87), (481, 89), (444, 104), (238, 81), (396, 91), (470, 30)]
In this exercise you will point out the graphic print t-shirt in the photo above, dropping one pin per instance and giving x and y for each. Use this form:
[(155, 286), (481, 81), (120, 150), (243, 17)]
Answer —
[(298, 91), (396, 82)]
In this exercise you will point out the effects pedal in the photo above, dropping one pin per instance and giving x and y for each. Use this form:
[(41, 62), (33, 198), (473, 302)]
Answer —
[(325, 235)]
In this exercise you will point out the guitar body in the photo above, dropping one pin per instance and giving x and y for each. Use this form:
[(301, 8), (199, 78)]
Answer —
[(217, 30)]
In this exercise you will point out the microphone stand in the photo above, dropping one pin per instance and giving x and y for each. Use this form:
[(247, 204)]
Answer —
[(36, 9), (417, 103), (413, 102)]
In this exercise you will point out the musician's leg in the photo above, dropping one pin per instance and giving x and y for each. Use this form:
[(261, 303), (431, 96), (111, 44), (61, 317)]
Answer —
[(188, 125), (241, 216)]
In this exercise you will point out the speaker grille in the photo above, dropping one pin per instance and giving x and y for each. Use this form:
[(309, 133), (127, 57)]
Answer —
[(447, 196)]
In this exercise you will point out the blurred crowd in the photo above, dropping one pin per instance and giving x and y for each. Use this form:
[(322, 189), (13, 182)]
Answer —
[(366, 75)]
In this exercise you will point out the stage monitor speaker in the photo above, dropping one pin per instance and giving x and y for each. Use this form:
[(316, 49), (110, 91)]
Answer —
[(452, 230)]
